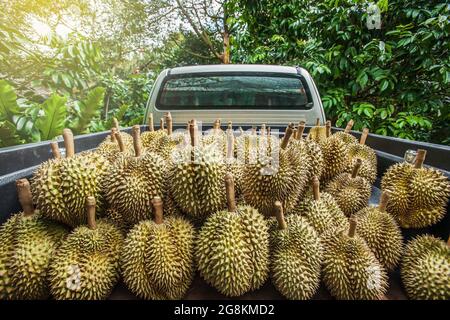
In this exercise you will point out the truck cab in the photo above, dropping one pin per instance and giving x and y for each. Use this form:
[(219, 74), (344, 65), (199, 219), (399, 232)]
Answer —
[(244, 94)]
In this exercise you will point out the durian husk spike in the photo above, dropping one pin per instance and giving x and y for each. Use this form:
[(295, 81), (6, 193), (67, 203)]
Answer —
[(356, 168), (328, 128), (120, 142), (169, 123), (159, 211), (55, 150), (151, 126), (113, 134), (69, 143), (136, 133), (349, 126), (90, 211), (229, 188), (420, 158), (230, 145), (383, 201), (116, 124), (317, 122), (364, 135), (241, 131), (25, 197), (279, 214), (300, 130), (161, 124), (352, 228), (316, 188), (287, 136)]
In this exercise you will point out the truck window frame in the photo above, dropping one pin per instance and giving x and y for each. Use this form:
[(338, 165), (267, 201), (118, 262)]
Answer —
[(308, 106)]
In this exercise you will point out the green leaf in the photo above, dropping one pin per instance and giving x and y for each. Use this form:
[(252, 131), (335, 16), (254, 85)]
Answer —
[(52, 122), (89, 108), (66, 80), (8, 102), (384, 84), (8, 134)]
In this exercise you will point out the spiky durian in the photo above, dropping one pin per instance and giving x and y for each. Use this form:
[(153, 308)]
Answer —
[(233, 248), (134, 181), (28, 242), (334, 152), (418, 195), (381, 233), (425, 268), (368, 169), (350, 270), (86, 265), (157, 258), (60, 185), (111, 146), (196, 178), (321, 210), (280, 175), (351, 192), (149, 138), (296, 256), (317, 133), (345, 135)]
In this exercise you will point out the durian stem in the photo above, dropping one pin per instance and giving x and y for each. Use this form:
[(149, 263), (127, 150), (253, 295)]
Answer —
[(151, 126), (349, 126), (25, 197), (229, 188), (120, 142), (263, 129), (420, 158), (352, 229), (328, 128), (113, 134), (253, 130), (280, 215), (230, 145), (192, 133), (159, 211), (230, 126), (90, 210), (116, 124), (448, 241), (364, 135), (161, 124), (55, 150), (317, 122), (316, 188), (169, 123), (241, 131), (136, 132), (268, 131), (294, 134), (69, 143), (287, 136), (356, 168), (301, 129), (383, 201)]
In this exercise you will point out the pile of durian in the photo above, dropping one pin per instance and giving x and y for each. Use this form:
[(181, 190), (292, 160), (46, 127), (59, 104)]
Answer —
[(240, 208)]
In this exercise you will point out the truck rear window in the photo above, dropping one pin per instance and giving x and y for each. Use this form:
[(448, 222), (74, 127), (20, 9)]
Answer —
[(233, 92)]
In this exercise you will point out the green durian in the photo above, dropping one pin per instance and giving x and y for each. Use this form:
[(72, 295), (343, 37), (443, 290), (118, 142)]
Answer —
[(158, 257), (368, 169), (334, 152), (425, 268), (86, 265), (150, 138), (295, 256), (317, 133), (111, 146), (345, 135), (233, 248)]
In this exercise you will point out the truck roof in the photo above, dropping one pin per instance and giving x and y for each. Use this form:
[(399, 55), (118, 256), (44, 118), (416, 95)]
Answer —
[(233, 67)]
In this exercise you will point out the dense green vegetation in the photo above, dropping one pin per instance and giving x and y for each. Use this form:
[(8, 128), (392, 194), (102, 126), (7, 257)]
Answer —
[(79, 63)]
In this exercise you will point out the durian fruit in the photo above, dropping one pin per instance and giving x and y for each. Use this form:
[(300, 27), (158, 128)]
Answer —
[(28, 242), (149, 138), (345, 135), (86, 265), (60, 185), (233, 248), (381, 233), (279, 175), (134, 181), (233, 166), (351, 192), (367, 155), (350, 270), (196, 178), (418, 195), (295, 257), (425, 268), (317, 133), (334, 153), (321, 210), (157, 258), (111, 147)]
